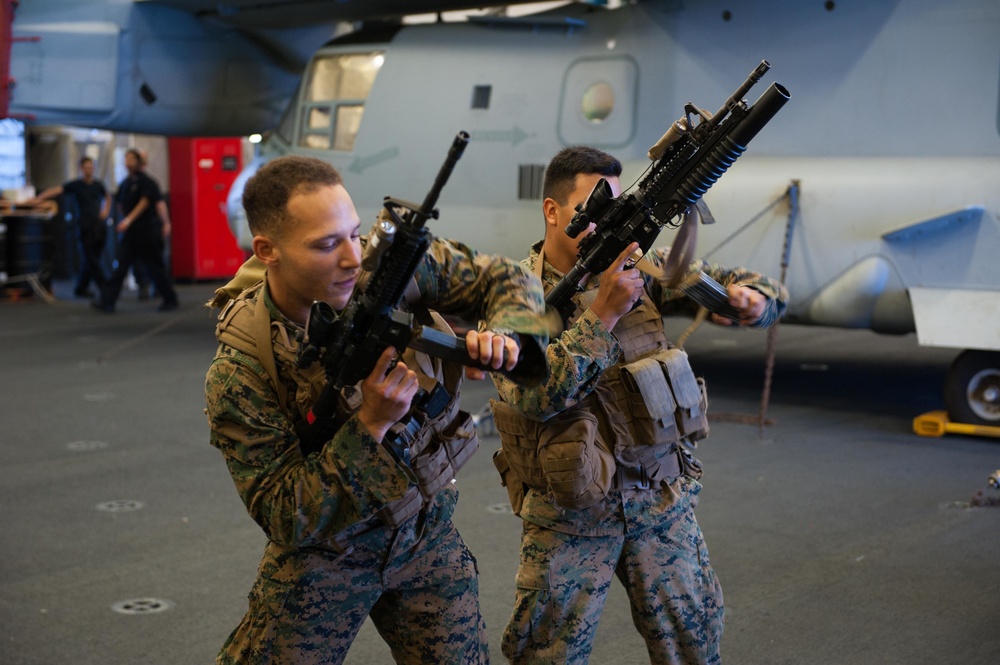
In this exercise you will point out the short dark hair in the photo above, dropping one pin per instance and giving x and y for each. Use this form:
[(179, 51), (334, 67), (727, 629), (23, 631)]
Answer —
[(138, 155), (85, 159), (267, 192), (560, 175)]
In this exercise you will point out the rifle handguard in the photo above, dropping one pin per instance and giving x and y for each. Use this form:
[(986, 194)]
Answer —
[(528, 371)]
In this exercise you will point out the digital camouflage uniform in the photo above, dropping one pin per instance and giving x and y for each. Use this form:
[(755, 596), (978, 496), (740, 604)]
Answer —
[(648, 538), (331, 558)]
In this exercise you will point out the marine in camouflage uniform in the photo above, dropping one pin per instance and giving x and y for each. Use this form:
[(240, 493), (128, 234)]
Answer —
[(353, 530), (635, 523)]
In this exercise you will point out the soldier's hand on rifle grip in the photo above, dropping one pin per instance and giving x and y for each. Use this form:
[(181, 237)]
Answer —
[(386, 394), (620, 289), (750, 303), (492, 349)]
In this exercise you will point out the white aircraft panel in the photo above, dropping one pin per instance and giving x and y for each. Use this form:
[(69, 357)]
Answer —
[(956, 318)]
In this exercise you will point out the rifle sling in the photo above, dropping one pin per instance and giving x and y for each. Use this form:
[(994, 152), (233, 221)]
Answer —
[(265, 354)]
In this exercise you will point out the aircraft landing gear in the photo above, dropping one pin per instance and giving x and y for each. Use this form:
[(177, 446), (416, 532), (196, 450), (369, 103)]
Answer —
[(972, 388)]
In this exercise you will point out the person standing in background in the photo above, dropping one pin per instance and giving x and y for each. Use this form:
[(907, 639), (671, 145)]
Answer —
[(142, 236), (139, 270), (94, 204)]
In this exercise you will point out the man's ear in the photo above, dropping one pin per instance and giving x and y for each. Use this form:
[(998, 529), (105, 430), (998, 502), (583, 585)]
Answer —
[(265, 250), (549, 209)]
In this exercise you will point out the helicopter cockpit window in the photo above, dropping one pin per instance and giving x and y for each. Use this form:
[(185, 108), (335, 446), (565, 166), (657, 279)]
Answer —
[(334, 99)]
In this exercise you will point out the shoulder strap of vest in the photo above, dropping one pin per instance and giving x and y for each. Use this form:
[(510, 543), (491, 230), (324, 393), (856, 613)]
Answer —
[(249, 331)]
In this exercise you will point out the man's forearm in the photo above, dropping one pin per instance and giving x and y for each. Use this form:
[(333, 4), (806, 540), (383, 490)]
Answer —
[(134, 214)]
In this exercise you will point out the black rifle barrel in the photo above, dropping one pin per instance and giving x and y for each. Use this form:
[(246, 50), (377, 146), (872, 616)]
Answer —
[(741, 91), (454, 154)]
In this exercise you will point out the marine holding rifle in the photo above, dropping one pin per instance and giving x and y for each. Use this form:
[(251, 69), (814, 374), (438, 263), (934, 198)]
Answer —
[(597, 459), (361, 525)]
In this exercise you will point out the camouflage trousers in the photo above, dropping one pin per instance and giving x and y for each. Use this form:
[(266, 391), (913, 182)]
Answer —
[(419, 584), (562, 582)]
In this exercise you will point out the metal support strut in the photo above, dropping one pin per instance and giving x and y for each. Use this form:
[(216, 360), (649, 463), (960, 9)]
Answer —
[(772, 333)]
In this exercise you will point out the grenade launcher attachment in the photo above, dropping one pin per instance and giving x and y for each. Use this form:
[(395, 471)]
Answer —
[(690, 157)]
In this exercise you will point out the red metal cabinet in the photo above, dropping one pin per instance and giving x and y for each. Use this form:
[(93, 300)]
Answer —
[(201, 173)]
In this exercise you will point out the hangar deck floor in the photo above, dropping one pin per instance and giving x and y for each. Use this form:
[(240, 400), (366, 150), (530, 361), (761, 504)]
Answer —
[(839, 536)]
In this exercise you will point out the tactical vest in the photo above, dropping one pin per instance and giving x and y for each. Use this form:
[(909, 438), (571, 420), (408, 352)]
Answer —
[(631, 431), (433, 441)]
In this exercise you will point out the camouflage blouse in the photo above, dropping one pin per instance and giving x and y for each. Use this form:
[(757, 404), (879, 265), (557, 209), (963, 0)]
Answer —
[(308, 500), (576, 359)]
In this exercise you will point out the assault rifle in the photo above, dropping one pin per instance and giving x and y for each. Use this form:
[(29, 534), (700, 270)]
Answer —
[(350, 343), (689, 158)]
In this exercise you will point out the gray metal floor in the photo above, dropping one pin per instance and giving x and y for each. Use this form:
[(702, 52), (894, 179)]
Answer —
[(840, 537)]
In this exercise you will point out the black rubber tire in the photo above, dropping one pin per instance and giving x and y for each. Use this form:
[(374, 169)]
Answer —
[(972, 388)]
